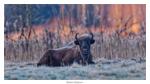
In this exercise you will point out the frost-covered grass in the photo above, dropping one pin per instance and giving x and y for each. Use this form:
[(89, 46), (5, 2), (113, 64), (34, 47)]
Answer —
[(103, 70)]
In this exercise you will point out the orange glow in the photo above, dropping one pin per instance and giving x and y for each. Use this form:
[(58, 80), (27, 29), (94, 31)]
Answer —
[(117, 16), (135, 28), (14, 36)]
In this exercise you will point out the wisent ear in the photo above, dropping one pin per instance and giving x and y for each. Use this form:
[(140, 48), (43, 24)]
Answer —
[(92, 41), (76, 42)]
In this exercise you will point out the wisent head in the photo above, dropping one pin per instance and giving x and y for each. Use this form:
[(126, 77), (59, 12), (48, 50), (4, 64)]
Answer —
[(84, 43)]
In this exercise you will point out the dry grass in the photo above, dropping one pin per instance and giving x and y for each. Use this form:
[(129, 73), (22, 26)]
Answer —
[(107, 46)]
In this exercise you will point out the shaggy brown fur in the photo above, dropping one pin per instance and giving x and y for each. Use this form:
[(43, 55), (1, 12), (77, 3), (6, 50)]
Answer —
[(59, 57)]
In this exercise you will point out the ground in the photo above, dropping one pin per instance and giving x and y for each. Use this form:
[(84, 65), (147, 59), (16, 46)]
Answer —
[(104, 69)]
